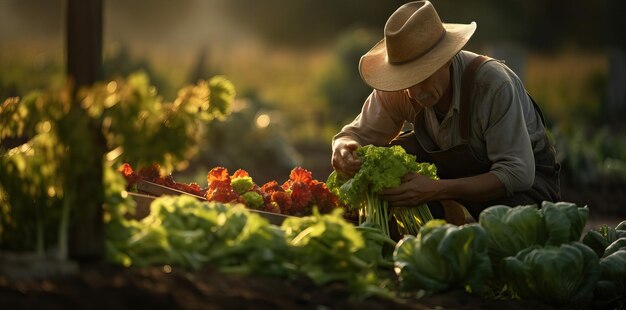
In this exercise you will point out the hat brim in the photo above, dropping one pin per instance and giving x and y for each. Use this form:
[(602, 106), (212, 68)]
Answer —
[(377, 72)]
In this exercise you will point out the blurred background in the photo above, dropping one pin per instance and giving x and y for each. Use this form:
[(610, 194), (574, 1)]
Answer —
[(294, 66)]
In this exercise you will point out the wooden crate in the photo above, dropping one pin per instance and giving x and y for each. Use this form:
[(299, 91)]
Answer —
[(149, 191), (143, 202), (153, 189)]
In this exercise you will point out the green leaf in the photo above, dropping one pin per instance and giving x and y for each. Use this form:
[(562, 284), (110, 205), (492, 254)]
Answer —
[(512, 229), (619, 244), (612, 282), (596, 241)]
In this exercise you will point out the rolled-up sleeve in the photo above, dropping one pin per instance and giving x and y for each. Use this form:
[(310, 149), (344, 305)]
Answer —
[(507, 140), (380, 120)]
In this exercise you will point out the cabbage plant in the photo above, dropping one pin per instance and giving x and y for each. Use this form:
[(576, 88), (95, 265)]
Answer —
[(512, 229), (557, 275), (599, 239), (442, 257)]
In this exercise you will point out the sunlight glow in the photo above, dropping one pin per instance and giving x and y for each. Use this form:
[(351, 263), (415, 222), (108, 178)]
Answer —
[(263, 120)]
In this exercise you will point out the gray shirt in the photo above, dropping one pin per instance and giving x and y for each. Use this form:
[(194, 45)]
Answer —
[(506, 128)]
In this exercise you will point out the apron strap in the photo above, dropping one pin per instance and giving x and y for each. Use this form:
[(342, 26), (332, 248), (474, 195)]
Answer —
[(467, 85)]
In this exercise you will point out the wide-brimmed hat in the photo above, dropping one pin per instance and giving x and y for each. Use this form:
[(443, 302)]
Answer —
[(416, 44)]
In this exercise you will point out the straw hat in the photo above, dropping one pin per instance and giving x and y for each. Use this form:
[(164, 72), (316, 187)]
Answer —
[(416, 44)]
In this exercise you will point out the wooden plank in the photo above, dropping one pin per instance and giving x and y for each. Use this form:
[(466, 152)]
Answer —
[(143, 205), (157, 190)]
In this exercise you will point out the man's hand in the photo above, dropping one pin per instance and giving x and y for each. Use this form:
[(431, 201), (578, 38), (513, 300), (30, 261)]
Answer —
[(345, 161), (415, 189)]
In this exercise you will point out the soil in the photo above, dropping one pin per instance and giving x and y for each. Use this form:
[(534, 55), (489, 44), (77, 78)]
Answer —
[(107, 287)]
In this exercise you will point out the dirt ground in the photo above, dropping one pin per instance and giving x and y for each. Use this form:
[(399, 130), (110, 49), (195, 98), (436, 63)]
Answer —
[(108, 287), (607, 205)]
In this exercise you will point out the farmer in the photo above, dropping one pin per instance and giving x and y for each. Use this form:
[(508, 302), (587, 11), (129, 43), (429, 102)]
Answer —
[(471, 117)]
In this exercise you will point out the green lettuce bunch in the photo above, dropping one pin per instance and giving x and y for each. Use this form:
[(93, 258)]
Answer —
[(184, 231), (442, 257), (557, 275), (383, 167), (326, 249)]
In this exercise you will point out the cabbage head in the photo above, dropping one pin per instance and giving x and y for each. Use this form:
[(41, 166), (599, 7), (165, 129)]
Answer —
[(512, 229), (564, 220), (443, 256), (557, 275)]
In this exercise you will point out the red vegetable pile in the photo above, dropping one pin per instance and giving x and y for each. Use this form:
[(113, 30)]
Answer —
[(297, 196)]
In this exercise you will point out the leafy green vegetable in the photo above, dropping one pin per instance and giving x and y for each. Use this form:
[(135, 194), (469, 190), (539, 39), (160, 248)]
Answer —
[(378, 247), (612, 282), (564, 221), (599, 239), (611, 286), (186, 232), (242, 184), (253, 200), (259, 248), (619, 244), (383, 167), (442, 257), (557, 275), (512, 229), (326, 249)]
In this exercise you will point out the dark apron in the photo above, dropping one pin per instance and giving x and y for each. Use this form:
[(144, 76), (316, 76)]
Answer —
[(460, 161)]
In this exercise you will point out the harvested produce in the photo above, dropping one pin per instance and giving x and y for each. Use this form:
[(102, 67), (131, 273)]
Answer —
[(383, 167)]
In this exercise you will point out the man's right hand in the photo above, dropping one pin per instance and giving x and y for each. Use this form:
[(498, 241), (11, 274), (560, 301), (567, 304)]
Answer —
[(345, 160)]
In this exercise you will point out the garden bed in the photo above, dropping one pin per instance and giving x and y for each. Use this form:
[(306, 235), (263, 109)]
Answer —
[(108, 287), (104, 286)]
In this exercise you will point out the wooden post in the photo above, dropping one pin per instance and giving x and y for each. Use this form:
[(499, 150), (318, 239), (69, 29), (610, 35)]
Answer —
[(84, 41), (84, 67)]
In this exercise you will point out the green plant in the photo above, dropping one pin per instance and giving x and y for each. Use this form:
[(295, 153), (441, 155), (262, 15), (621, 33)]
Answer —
[(557, 275), (73, 137), (383, 167), (443, 257)]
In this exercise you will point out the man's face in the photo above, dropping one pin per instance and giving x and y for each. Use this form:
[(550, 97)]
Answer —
[(428, 92)]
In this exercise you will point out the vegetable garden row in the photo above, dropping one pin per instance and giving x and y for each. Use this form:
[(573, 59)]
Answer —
[(521, 252)]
